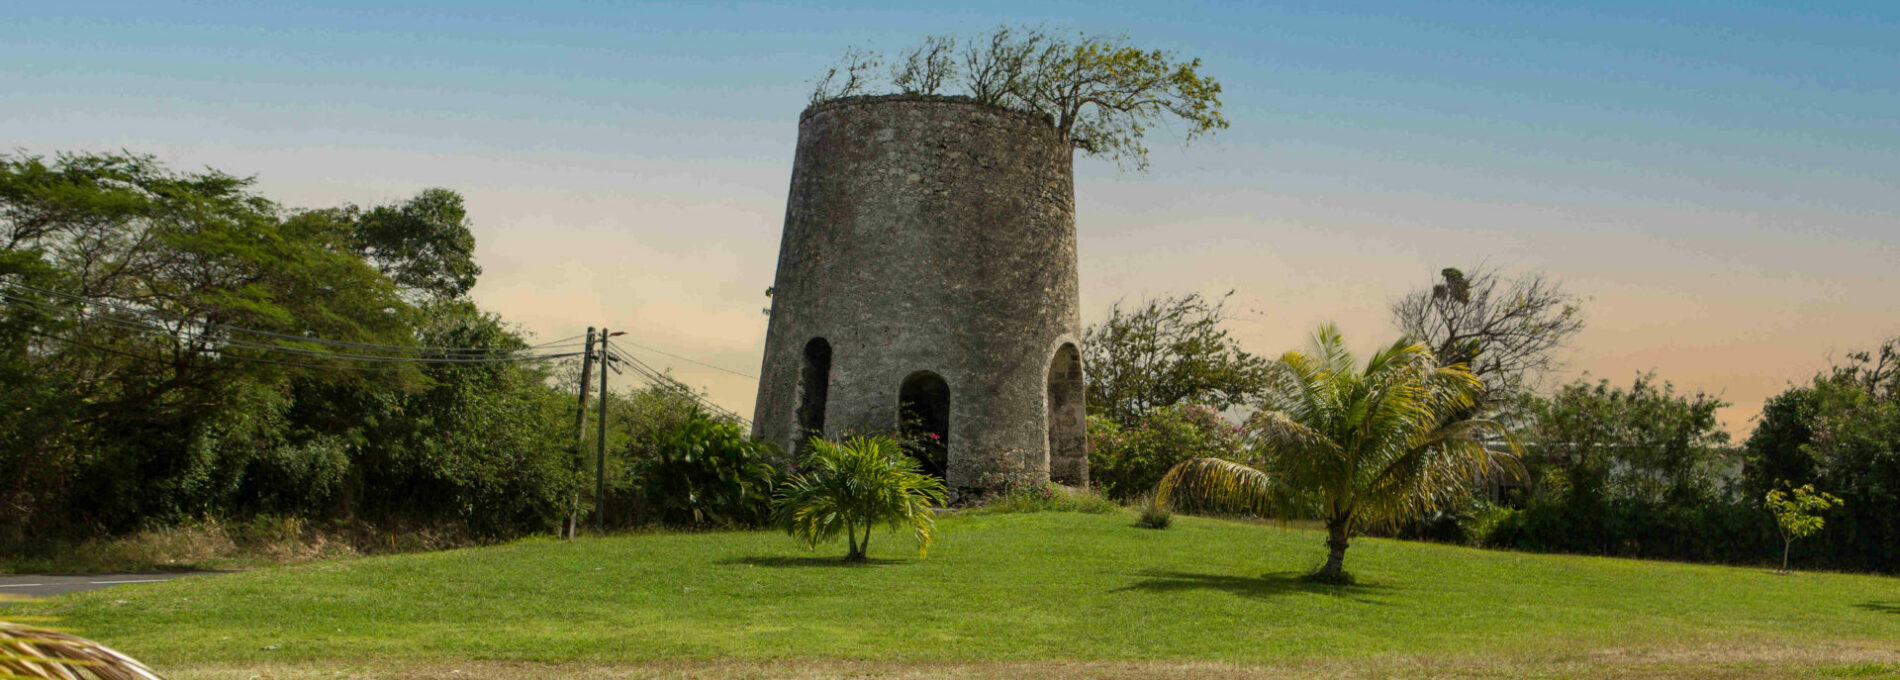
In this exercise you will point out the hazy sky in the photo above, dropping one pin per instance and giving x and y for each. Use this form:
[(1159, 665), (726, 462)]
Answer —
[(1720, 179)]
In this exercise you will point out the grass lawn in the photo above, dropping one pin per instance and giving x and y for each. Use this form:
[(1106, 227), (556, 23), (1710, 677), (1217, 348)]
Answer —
[(1002, 595)]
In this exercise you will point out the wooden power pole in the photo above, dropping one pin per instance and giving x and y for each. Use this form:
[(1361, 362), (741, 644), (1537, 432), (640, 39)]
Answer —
[(580, 430), (587, 367), (600, 442)]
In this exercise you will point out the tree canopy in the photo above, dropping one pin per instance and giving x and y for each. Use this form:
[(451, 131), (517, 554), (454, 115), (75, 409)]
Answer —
[(1102, 93), (1167, 351), (176, 345)]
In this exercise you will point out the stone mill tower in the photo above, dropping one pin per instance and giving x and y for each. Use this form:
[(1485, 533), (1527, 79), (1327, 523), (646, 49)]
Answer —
[(927, 284)]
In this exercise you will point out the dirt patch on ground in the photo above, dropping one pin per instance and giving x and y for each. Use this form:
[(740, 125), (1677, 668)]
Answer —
[(1723, 662)]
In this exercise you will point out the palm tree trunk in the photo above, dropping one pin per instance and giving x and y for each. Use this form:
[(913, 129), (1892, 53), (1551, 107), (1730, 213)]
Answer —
[(1335, 569), (851, 534)]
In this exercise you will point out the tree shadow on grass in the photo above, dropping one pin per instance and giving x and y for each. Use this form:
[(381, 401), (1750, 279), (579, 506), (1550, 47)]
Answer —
[(1263, 587), (1881, 607), (811, 561)]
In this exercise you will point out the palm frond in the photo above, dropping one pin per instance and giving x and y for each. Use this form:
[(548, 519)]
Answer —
[(1437, 470), (29, 653), (1213, 483), (1278, 431), (1331, 348)]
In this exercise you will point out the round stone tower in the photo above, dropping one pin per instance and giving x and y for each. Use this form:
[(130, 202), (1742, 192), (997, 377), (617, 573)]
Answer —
[(927, 285)]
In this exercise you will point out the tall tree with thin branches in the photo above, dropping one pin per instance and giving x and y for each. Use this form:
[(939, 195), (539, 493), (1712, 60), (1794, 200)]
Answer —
[(1505, 329)]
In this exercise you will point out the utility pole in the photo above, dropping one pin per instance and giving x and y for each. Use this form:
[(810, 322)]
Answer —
[(580, 430), (600, 442), (587, 366)]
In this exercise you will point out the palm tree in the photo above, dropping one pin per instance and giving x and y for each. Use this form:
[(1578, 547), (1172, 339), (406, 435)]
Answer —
[(1383, 444), (845, 487)]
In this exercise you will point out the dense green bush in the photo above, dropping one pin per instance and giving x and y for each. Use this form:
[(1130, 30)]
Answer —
[(1126, 462), (1704, 532), (705, 471)]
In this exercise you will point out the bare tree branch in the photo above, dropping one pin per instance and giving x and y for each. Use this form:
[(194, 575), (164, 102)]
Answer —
[(1506, 330)]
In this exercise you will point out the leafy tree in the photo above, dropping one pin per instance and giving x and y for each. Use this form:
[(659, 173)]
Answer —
[(423, 244), (152, 341), (1798, 514), (841, 488), (1371, 445), (1167, 351), (1637, 470), (1101, 92), (121, 281), (1506, 330), (1593, 442), (481, 445), (1841, 432), (1781, 450)]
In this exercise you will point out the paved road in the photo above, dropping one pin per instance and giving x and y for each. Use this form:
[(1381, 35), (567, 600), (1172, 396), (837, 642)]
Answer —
[(42, 586)]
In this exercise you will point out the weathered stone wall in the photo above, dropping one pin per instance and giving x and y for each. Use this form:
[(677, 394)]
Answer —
[(930, 234)]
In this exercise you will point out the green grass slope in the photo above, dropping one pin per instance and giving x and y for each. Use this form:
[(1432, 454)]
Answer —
[(1003, 591)]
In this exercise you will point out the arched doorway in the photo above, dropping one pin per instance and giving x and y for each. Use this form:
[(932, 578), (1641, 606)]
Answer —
[(1068, 419), (923, 416), (814, 388)]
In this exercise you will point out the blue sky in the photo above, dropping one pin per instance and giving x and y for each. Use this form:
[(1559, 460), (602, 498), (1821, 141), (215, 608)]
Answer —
[(1720, 178)]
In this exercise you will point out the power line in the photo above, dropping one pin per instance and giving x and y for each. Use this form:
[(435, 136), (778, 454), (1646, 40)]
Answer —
[(495, 355), (690, 361), (221, 346), (663, 381), (225, 355), (127, 309)]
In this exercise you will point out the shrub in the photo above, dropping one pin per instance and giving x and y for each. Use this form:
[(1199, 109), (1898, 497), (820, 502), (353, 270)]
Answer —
[(1126, 462), (1047, 497), (1485, 520), (704, 471), (844, 487), (1154, 515)]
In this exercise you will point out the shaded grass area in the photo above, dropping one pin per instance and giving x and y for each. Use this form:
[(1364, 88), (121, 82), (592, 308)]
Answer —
[(1002, 591), (210, 544)]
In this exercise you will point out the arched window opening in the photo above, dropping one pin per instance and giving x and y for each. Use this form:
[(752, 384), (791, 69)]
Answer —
[(924, 419), (814, 386), (1068, 419)]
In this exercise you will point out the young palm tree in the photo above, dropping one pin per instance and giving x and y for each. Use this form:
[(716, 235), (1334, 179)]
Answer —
[(1382, 444), (852, 486)]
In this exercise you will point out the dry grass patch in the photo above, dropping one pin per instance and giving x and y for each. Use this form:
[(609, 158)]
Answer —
[(1692, 663), (214, 544)]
